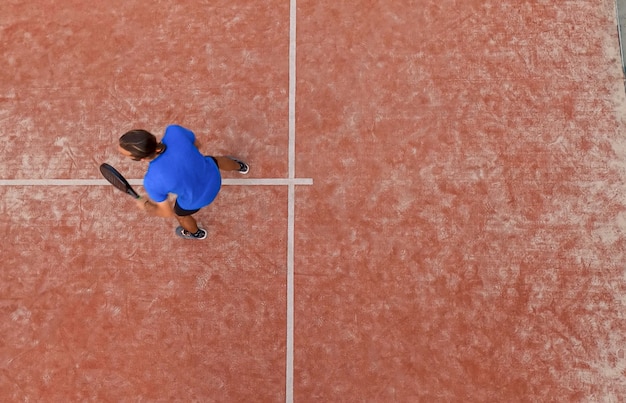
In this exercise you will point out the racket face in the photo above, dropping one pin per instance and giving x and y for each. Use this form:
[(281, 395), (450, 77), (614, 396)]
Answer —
[(116, 179)]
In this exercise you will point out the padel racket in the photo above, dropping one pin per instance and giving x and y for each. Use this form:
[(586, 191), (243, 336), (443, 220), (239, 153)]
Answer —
[(116, 179)]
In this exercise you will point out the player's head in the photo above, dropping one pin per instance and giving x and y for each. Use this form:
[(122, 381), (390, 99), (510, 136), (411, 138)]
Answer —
[(138, 144)]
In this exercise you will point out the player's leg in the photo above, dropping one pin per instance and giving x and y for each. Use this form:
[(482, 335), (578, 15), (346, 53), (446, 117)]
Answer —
[(188, 228), (231, 164), (188, 223)]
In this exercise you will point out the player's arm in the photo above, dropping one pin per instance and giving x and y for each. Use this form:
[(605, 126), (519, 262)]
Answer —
[(161, 209)]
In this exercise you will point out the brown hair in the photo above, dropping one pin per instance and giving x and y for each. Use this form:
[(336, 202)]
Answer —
[(139, 143)]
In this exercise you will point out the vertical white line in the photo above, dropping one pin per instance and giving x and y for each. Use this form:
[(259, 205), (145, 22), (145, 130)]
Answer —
[(292, 89), (290, 296), (291, 204)]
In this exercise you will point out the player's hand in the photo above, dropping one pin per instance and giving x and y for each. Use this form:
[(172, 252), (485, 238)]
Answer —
[(141, 203)]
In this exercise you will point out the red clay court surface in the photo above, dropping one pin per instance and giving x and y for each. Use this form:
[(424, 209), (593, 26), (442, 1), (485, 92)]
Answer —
[(436, 209)]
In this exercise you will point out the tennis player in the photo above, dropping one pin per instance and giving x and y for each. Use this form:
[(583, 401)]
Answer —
[(176, 167)]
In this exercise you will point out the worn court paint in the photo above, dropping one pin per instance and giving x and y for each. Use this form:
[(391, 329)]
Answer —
[(468, 244), (466, 220), (102, 302)]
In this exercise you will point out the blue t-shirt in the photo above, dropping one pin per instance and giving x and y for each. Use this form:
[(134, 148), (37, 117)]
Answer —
[(181, 169)]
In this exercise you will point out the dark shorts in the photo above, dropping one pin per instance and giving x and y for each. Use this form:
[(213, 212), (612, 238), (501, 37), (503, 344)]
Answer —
[(181, 212)]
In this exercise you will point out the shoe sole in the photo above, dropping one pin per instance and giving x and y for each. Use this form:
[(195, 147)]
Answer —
[(179, 232)]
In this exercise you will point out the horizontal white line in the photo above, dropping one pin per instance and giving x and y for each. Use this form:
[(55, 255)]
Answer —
[(139, 182), (268, 182)]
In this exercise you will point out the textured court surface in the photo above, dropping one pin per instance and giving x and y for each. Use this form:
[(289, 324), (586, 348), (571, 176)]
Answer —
[(463, 238)]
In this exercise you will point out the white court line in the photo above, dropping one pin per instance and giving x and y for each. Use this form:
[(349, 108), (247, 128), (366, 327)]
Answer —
[(291, 204), (139, 182)]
